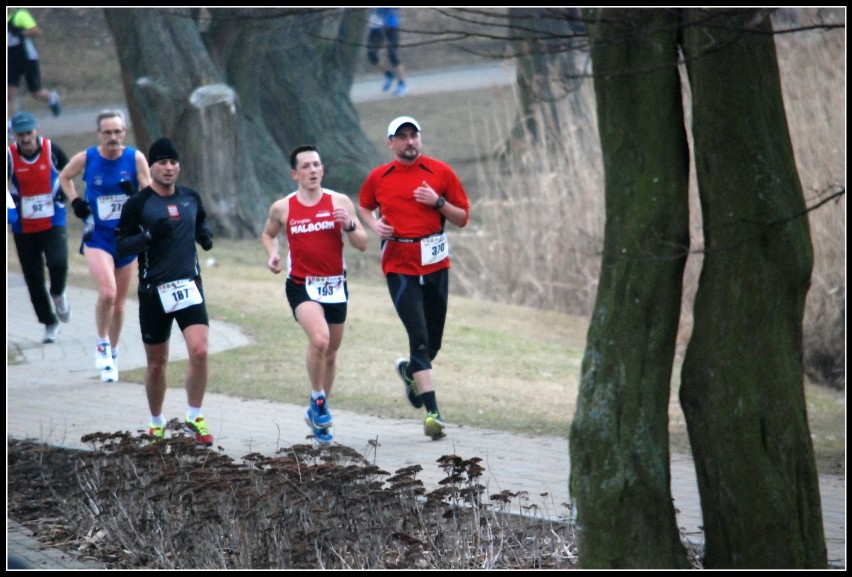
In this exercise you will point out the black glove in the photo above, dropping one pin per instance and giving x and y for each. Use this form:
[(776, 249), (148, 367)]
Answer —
[(81, 208), (162, 229), (205, 239), (127, 187), (59, 196)]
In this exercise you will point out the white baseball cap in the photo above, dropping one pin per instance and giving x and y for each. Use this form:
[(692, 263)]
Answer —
[(397, 123)]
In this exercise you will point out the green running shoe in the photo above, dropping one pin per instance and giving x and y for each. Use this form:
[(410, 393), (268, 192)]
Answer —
[(157, 432), (199, 428), (434, 427)]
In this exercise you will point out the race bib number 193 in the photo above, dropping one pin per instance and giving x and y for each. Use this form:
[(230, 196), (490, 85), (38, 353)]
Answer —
[(326, 289)]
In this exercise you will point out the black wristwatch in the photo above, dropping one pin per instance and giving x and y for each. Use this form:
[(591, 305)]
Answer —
[(439, 204), (351, 227)]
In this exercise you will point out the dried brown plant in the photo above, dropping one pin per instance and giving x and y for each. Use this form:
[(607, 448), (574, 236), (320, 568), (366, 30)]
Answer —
[(131, 503)]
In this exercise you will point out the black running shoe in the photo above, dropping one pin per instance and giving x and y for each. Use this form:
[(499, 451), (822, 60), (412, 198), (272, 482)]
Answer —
[(409, 386)]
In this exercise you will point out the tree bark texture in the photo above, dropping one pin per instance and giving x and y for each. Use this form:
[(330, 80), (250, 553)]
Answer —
[(163, 62), (291, 71), (294, 70), (742, 387), (620, 476)]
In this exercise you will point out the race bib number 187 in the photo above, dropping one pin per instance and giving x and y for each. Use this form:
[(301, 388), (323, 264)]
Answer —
[(179, 294)]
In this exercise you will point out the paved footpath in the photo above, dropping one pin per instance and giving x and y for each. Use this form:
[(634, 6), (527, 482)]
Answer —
[(54, 395), (366, 88)]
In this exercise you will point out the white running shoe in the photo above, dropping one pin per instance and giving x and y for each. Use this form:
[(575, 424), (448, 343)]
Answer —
[(110, 375), (103, 357), (51, 333), (63, 309)]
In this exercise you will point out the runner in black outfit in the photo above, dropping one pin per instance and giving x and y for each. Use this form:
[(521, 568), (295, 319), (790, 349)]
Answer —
[(161, 223)]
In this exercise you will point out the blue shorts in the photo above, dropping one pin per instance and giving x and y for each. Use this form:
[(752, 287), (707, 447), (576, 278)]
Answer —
[(104, 239)]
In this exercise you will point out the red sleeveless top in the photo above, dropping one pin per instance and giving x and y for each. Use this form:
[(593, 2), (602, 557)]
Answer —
[(314, 239)]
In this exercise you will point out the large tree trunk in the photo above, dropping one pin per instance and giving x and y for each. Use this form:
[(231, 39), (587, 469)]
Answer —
[(163, 62), (742, 384), (620, 477), (293, 70), (289, 72)]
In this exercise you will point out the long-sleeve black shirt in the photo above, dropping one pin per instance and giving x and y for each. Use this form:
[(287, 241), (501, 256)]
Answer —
[(162, 259)]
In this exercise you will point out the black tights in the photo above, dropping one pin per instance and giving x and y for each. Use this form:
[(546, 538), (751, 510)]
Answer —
[(35, 250), (421, 303)]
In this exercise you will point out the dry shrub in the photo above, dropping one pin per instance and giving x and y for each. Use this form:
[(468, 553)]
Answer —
[(538, 213), (171, 505)]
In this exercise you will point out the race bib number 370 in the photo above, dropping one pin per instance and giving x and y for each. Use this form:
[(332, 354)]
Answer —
[(434, 249), (179, 294)]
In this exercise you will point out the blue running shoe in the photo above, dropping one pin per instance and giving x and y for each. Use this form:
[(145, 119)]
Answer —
[(319, 413), (388, 81), (55, 106), (321, 434)]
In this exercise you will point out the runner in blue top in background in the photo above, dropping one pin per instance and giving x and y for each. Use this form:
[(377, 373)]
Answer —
[(111, 172), (384, 31)]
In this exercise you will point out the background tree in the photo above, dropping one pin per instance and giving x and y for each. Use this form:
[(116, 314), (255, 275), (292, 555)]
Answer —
[(537, 38), (742, 380), (620, 475), (239, 96), (550, 50)]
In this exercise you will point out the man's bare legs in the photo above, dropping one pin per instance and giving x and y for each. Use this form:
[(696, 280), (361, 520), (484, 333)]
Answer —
[(113, 285), (323, 343)]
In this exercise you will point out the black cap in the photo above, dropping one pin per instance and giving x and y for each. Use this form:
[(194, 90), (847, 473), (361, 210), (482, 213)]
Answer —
[(163, 149)]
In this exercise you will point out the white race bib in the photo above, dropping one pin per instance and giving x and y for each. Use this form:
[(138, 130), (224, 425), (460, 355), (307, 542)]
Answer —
[(326, 289), (39, 206), (109, 206), (434, 249), (179, 294)]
